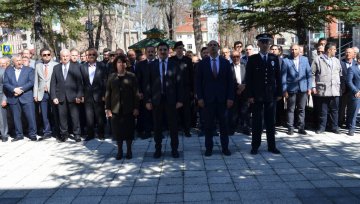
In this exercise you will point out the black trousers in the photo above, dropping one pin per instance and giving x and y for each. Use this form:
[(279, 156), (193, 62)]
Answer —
[(257, 126), (144, 120), (69, 108), (184, 114), (239, 115), (218, 111), (168, 110), (297, 100), (95, 111), (329, 104), (344, 109)]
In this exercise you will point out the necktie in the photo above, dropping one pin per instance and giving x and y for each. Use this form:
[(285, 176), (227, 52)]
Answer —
[(264, 59), (214, 68), (65, 72), (163, 76), (46, 74), (92, 73)]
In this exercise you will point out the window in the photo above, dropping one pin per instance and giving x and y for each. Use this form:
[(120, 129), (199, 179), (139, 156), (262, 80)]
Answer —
[(179, 36), (189, 36), (189, 46), (280, 41)]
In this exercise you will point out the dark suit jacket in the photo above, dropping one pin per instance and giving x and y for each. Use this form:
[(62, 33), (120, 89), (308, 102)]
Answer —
[(263, 80), (344, 70), (26, 81), (187, 72), (142, 72), (96, 90), (353, 80), (214, 90), (68, 89), (173, 80), (121, 93)]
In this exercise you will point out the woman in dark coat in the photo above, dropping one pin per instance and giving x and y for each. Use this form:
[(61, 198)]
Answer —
[(121, 104)]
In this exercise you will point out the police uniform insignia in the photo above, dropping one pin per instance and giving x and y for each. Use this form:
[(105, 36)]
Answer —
[(272, 63)]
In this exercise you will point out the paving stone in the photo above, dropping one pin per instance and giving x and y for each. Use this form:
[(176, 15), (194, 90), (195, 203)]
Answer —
[(173, 198), (317, 200), (222, 187), (144, 190), (349, 183), (114, 199), (41, 193), (170, 189), (15, 193), (300, 184), (171, 181), (116, 191), (61, 199), (292, 177), (198, 197), (150, 198), (87, 200), (336, 192), (196, 188), (306, 193), (346, 200), (10, 200), (325, 183), (66, 192), (285, 201), (225, 196), (32, 200)]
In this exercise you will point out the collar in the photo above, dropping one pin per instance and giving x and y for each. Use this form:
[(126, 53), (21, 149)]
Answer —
[(19, 68), (94, 64), (166, 60), (263, 54), (66, 65), (216, 58)]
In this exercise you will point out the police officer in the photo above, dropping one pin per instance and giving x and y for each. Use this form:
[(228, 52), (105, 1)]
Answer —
[(263, 85)]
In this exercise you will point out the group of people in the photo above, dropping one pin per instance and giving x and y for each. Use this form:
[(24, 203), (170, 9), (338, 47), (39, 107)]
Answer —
[(159, 90)]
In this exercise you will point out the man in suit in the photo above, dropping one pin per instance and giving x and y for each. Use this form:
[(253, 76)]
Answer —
[(106, 55), (66, 92), (239, 113), (249, 50), (74, 55), (26, 54), (94, 76), (238, 46), (215, 92), (187, 72), (164, 95), (18, 88), (296, 84), (346, 95), (263, 85), (3, 111), (132, 58), (43, 72), (144, 123), (353, 82), (327, 71)]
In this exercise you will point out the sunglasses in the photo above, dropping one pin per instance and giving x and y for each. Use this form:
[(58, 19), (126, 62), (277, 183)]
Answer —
[(91, 54), (44, 55)]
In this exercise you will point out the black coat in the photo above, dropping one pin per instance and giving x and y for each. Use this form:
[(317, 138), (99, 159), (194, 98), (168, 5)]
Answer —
[(263, 81), (96, 90), (68, 89), (174, 84)]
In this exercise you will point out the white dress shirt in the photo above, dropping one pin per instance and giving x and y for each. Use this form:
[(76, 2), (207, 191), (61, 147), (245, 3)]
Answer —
[(237, 69), (92, 69), (297, 63), (17, 73)]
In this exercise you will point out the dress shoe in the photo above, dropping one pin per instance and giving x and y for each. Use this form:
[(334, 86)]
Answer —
[(254, 151), (231, 133), (319, 131), (336, 131), (88, 138), (119, 156), (302, 131), (226, 152), (128, 155), (187, 134), (17, 139), (201, 134), (4, 139), (33, 138), (157, 154), (101, 137), (246, 132), (290, 132), (175, 154), (77, 138), (350, 133), (274, 151), (208, 153)]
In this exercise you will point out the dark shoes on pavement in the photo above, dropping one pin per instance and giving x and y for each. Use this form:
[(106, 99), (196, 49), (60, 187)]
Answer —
[(254, 151), (208, 153), (302, 131), (226, 152), (175, 154), (274, 151), (157, 154)]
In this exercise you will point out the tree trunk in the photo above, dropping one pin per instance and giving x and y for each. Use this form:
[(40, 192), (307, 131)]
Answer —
[(38, 28), (98, 31), (109, 38), (197, 28), (170, 15)]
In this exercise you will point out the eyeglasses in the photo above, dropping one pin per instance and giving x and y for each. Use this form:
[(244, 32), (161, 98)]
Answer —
[(236, 56), (91, 54), (44, 55)]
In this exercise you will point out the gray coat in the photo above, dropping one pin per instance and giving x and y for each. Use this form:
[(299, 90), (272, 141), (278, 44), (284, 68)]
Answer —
[(40, 80), (326, 78)]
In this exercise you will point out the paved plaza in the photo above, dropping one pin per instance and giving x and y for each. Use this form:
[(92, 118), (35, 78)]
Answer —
[(312, 169)]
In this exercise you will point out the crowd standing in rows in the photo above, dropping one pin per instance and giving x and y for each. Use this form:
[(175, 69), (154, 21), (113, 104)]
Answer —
[(170, 89)]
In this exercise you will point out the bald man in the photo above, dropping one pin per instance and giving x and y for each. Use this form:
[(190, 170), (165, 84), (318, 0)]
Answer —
[(66, 92), (346, 63), (18, 88)]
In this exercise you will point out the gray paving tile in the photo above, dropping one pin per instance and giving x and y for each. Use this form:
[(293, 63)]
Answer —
[(196, 188), (117, 191), (197, 197), (285, 201), (349, 183), (172, 198), (87, 200), (219, 179), (346, 200), (40, 193), (62, 200), (225, 196), (150, 198), (114, 199), (171, 181), (292, 177), (325, 183), (306, 193), (336, 192), (222, 187), (144, 190), (15, 193), (66, 192), (32, 200), (317, 200), (170, 189), (10, 200)]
